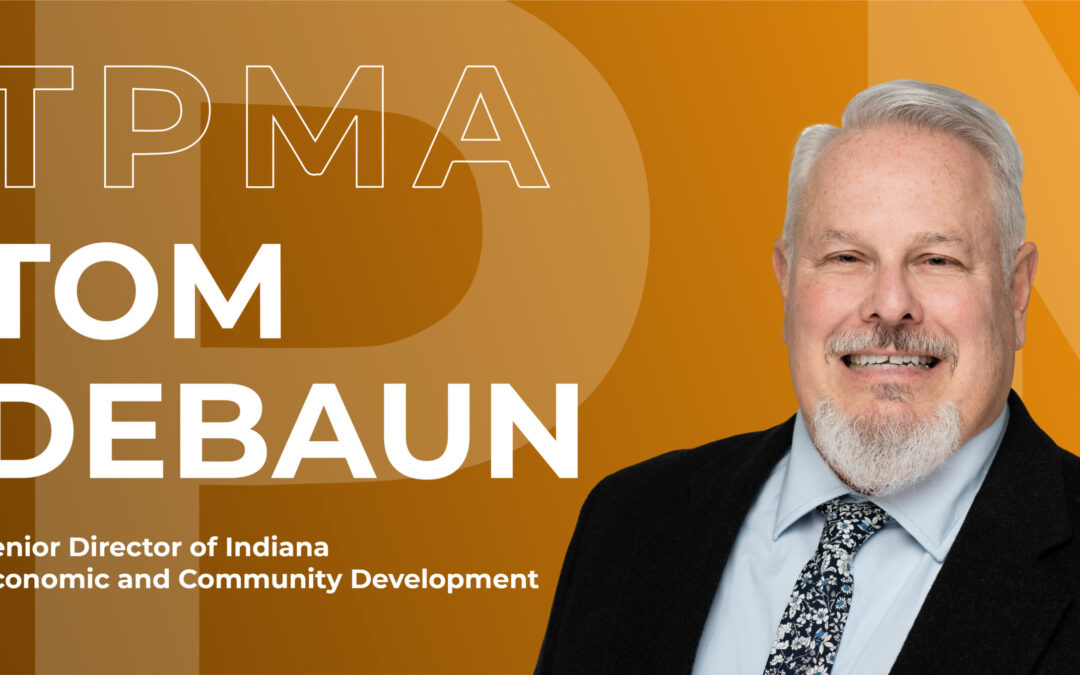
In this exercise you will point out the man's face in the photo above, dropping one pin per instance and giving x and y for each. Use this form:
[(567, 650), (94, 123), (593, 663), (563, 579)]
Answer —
[(898, 241)]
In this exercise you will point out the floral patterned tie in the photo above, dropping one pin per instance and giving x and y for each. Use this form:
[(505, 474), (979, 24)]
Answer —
[(817, 610)]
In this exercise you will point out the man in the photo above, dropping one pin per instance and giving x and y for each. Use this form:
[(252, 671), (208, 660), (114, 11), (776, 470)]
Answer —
[(911, 518)]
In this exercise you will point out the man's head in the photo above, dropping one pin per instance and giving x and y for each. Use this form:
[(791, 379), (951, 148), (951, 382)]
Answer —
[(905, 279)]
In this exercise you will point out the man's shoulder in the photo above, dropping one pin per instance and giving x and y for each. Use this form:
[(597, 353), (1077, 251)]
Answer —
[(1070, 462), (1037, 446), (1070, 472)]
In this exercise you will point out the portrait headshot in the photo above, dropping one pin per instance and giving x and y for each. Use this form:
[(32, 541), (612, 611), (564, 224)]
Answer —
[(910, 517)]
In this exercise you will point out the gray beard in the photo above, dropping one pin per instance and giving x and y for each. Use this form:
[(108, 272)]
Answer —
[(878, 455)]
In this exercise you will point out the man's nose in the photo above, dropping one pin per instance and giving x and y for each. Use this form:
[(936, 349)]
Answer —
[(892, 300)]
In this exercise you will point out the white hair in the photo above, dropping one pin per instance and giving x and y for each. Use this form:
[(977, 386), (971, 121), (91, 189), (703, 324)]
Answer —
[(925, 106), (878, 455)]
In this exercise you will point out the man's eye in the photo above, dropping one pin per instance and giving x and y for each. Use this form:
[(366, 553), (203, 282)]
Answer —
[(845, 258), (938, 261)]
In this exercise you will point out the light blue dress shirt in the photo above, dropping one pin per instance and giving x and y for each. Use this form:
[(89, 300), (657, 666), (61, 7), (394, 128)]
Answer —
[(893, 571)]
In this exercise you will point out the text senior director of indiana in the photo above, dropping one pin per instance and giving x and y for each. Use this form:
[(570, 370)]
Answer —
[(911, 518)]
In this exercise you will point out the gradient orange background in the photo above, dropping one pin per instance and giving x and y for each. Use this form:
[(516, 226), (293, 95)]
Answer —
[(665, 130)]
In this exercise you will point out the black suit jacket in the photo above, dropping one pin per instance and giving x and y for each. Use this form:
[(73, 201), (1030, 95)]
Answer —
[(651, 542)]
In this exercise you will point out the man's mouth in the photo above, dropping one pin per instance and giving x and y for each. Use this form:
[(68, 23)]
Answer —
[(889, 361)]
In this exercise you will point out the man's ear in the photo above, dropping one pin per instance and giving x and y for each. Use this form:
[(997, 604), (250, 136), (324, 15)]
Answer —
[(780, 266), (1023, 276)]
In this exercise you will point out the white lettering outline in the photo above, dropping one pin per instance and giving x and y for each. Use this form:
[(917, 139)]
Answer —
[(105, 123), (510, 166), (33, 127), (353, 126)]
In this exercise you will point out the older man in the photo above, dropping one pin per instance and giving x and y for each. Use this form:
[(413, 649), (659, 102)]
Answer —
[(911, 518)]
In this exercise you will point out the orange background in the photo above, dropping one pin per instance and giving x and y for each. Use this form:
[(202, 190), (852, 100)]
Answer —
[(704, 98)]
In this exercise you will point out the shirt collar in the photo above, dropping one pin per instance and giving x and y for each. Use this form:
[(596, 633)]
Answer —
[(931, 510)]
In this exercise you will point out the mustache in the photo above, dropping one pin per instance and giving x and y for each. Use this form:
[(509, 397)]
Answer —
[(901, 338)]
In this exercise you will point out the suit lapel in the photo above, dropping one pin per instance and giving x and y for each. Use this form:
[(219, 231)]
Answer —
[(999, 594), (681, 556)]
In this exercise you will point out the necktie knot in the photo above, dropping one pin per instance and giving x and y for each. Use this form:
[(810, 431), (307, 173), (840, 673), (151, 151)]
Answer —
[(849, 525)]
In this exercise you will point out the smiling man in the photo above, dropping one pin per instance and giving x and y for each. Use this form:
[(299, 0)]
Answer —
[(900, 265), (911, 518)]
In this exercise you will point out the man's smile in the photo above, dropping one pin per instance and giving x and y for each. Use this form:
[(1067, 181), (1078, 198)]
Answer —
[(864, 361)]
